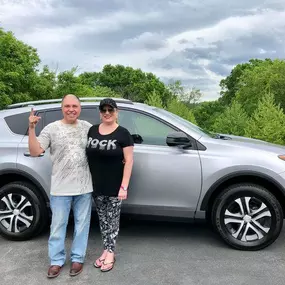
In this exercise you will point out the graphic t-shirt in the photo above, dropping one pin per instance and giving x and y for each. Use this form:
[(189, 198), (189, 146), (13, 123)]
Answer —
[(70, 170), (105, 156)]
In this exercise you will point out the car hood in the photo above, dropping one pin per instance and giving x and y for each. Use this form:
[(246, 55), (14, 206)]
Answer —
[(252, 143)]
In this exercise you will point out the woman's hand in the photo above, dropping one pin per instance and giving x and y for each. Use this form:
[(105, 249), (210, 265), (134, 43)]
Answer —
[(122, 194)]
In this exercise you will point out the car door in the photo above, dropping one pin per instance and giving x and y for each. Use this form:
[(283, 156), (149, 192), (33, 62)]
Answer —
[(40, 167), (165, 180)]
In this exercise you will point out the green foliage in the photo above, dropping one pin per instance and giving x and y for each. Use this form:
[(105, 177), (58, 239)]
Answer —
[(268, 76), (232, 121), (130, 83), (267, 122), (206, 113), (44, 85), (153, 99), (18, 63), (4, 98), (242, 109), (179, 108), (89, 78), (188, 96), (68, 82), (175, 88), (230, 85)]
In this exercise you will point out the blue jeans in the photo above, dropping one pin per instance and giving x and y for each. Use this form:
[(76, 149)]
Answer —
[(60, 207)]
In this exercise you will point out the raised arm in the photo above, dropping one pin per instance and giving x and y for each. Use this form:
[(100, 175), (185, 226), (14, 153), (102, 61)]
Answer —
[(34, 145)]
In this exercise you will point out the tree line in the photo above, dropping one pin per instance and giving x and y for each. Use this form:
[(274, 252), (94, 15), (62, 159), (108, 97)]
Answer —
[(251, 101)]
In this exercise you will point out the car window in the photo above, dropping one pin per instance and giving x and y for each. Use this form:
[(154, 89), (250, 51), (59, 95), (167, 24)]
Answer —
[(186, 123), (18, 123), (52, 116), (90, 115), (151, 130), (40, 124)]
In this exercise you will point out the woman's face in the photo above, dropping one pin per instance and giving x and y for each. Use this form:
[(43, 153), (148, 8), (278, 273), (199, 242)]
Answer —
[(108, 114)]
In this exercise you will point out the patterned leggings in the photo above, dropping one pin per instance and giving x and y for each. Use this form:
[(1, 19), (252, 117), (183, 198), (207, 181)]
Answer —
[(108, 209)]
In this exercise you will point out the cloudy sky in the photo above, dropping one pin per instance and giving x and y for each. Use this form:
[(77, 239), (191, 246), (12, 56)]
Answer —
[(195, 41)]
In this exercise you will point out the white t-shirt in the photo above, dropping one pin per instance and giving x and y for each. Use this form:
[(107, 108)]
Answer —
[(70, 170)]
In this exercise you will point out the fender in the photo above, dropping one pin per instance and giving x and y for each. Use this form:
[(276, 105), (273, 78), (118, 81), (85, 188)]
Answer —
[(219, 182), (28, 177)]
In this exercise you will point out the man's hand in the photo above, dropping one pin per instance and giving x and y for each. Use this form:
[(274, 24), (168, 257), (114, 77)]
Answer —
[(33, 120)]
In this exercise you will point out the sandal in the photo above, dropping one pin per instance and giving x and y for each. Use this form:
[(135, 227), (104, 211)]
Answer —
[(96, 264), (110, 268)]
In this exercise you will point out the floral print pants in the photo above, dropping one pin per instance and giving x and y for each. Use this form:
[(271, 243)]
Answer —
[(109, 210)]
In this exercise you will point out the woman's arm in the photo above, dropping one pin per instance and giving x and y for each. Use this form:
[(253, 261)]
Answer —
[(128, 159)]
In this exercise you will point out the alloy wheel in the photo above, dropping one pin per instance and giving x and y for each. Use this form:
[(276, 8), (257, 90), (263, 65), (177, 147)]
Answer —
[(247, 219), (16, 212)]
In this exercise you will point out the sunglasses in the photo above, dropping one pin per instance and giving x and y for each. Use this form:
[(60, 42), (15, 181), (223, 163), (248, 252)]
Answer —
[(110, 110)]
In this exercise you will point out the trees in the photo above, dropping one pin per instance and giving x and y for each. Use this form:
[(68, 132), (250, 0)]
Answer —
[(230, 85), (232, 121), (44, 85), (207, 112), (267, 122), (18, 74), (251, 103), (268, 76), (67, 82), (153, 99), (189, 96), (179, 108), (130, 83)]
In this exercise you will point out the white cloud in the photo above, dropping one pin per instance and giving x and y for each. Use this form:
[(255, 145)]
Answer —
[(146, 40), (181, 39), (230, 28)]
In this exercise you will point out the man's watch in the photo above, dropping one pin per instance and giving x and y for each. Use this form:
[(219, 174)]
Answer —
[(124, 188)]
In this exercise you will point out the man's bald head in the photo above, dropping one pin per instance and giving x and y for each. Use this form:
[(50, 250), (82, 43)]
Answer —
[(71, 108), (70, 96)]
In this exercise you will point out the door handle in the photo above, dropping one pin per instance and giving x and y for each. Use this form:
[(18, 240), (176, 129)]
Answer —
[(29, 155)]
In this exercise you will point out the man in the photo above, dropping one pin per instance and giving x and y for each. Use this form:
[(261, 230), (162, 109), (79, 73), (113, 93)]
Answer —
[(71, 183)]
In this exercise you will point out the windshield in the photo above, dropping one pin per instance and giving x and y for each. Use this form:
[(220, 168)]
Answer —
[(185, 123)]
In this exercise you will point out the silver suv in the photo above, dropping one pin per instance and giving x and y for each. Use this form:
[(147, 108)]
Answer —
[(180, 171)]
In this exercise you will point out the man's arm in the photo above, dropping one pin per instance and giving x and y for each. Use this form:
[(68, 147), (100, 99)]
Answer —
[(34, 145)]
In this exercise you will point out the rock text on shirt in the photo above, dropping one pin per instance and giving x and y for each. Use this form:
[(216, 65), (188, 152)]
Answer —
[(103, 144)]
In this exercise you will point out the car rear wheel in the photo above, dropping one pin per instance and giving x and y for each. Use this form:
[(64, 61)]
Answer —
[(23, 214), (247, 217)]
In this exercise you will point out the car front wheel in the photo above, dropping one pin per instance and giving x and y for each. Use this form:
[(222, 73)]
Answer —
[(22, 213), (247, 217)]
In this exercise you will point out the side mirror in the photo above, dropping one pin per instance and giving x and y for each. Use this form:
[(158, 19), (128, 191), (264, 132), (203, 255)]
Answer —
[(137, 138), (179, 139)]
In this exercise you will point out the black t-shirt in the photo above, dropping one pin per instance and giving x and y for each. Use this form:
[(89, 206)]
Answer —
[(105, 157)]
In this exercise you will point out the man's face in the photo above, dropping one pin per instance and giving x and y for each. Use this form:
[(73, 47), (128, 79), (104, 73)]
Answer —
[(71, 108)]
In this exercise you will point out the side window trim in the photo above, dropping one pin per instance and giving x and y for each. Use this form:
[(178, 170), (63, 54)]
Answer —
[(162, 121)]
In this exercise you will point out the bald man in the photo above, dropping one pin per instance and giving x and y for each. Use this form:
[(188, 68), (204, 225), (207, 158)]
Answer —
[(71, 183)]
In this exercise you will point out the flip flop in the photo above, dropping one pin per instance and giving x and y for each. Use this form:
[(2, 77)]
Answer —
[(96, 265), (110, 268)]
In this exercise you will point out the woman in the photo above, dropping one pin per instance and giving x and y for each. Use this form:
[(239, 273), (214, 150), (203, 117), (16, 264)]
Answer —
[(110, 156)]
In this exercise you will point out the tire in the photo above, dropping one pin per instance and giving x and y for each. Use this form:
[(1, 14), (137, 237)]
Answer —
[(247, 217), (26, 213)]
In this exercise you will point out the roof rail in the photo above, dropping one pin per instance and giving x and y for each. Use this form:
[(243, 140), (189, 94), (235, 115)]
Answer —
[(83, 99)]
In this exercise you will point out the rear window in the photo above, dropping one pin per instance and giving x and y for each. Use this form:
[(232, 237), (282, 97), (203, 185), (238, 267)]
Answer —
[(19, 123)]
